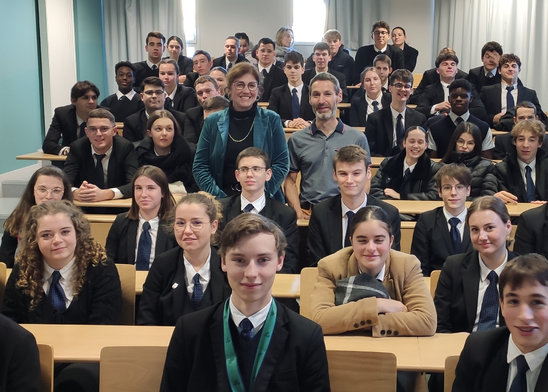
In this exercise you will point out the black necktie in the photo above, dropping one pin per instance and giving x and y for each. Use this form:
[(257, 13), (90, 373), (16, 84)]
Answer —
[(406, 175), (246, 329), (519, 383), (100, 174), (198, 291), (124, 99), (168, 104), (349, 215), (295, 107), (265, 72), (455, 235), (509, 98), (143, 250), (399, 130), (458, 120), (229, 66), (56, 293), (248, 208), (82, 129), (490, 305), (531, 196), (154, 67), (375, 106)]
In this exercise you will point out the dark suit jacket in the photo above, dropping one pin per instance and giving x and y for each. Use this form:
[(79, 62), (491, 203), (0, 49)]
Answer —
[(19, 361), (63, 128), (429, 77), (283, 215), (510, 179), (432, 242), (358, 107), (490, 95), (143, 71), (99, 300), (325, 227), (342, 62), (165, 297), (221, 61), (122, 108), (185, 64), (185, 98), (504, 146), (191, 78), (380, 130), (122, 240), (483, 366), (275, 78), (310, 73), (281, 102), (8, 248), (122, 165), (456, 297), (295, 360), (477, 77), (410, 55), (194, 121), (135, 126), (366, 54), (532, 232)]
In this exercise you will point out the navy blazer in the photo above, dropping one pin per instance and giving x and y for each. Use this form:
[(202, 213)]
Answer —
[(483, 365), (295, 358), (122, 108), (366, 54), (122, 240), (275, 78), (310, 73), (221, 62), (280, 213), (63, 128), (410, 55), (532, 232), (281, 103), (430, 76), (380, 130), (477, 77), (143, 71), (184, 99), (358, 107), (165, 297), (325, 227), (456, 296), (135, 126), (432, 242)]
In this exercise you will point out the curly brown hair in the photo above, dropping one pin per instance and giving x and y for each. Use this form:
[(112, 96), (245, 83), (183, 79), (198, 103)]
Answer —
[(31, 266)]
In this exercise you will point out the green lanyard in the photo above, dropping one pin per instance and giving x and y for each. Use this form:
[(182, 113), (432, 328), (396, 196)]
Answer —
[(234, 376)]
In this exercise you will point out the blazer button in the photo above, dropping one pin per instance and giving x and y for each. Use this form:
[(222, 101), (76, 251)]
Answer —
[(362, 322), (383, 332), (396, 333), (368, 321), (356, 325), (389, 332)]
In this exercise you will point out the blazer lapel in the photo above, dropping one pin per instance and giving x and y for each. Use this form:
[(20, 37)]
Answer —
[(216, 283), (179, 293), (496, 373), (389, 126), (542, 381), (217, 345), (131, 240), (441, 225), (470, 283), (334, 224)]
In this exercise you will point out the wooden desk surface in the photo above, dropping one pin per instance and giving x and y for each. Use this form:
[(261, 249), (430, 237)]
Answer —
[(115, 203), (285, 285), (83, 343), (40, 156), (100, 218)]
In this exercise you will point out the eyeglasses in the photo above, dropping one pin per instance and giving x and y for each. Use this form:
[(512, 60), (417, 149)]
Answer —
[(195, 224), (377, 32), (459, 188), (153, 92), (254, 169), (42, 191), (241, 85), (100, 129), (401, 86)]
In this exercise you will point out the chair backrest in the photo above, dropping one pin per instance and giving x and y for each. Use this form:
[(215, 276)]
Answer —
[(131, 369), (348, 369), (449, 372), (127, 279), (3, 279), (434, 277), (309, 276), (46, 367)]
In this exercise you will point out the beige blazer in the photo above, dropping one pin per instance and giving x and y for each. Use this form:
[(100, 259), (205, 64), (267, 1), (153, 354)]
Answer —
[(403, 280)]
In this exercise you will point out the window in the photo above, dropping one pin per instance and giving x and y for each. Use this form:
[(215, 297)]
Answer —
[(309, 20), (189, 25)]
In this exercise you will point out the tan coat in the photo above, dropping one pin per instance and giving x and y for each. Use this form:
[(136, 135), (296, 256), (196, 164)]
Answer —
[(403, 280)]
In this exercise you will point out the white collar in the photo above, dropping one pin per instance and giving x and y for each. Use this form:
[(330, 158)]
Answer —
[(257, 319)]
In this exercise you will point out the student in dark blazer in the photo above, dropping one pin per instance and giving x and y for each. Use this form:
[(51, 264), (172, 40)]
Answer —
[(272, 76), (152, 202), (487, 74), (175, 48), (117, 157), (178, 97), (434, 236), (281, 98), (321, 57), (328, 223), (231, 54), (154, 46), (532, 231), (69, 121), (188, 277), (201, 64), (126, 100), (410, 54), (252, 172), (222, 340), (382, 134), (466, 276), (19, 359), (363, 101), (490, 360)]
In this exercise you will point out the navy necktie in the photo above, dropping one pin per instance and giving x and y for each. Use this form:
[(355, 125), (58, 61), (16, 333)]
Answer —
[(519, 383), (100, 174), (229, 66), (265, 72), (399, 130), (490, 305), (406, 175), (509, 98), (198, 291), (82, 129), (124, 99), (295, 106), (248, 208), (154, 67), (168, 104), (531, 196), (143, 251), (375, 106), (349, 215), (455, 235), (458, 120), (246, 329), (56, 293)]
